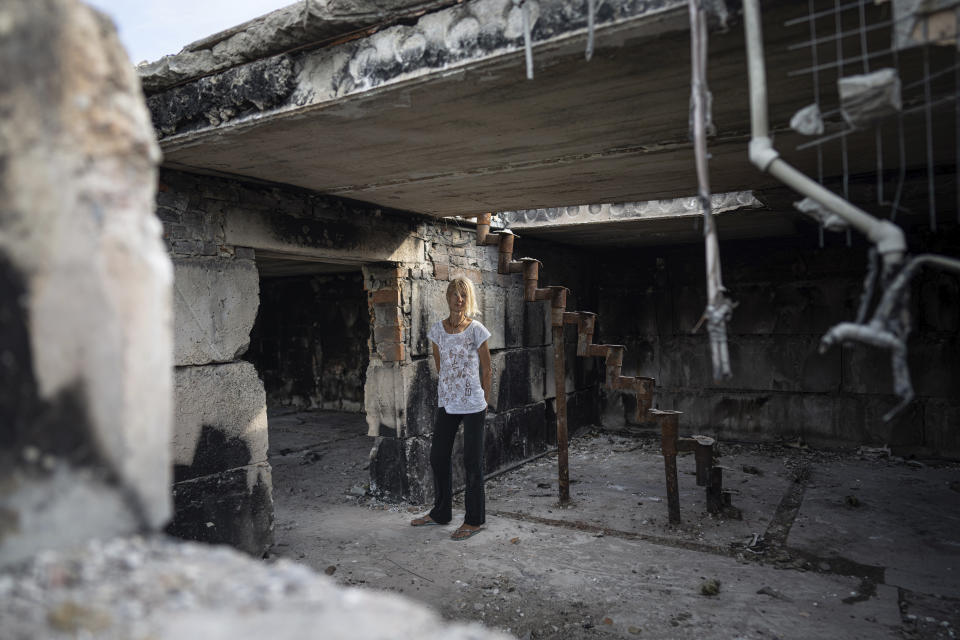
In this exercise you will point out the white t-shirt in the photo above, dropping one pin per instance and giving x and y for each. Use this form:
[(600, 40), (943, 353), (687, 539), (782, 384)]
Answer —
[(458, 388)]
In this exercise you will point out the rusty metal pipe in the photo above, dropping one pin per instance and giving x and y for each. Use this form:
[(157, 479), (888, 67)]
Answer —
[(483, 228), (531, 276), (703, 454), (669, 425), (558, 303), (506, 251)]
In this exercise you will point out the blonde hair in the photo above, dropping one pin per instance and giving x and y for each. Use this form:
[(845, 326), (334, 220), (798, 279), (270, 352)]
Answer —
[(465, 287)]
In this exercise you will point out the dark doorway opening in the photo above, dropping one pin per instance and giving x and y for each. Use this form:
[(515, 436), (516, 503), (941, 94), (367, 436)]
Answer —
[(310, 339)]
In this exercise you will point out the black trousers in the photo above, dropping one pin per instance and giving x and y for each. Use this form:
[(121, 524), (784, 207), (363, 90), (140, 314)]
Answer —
[(441, 449)]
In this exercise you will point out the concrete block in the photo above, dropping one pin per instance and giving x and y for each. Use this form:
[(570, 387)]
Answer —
[(940, 432), (221, 419), (504, 442), (494, 308), (215, 305), (761, 363), (938, 302), (531, 423), (934, 364), (85, 340), (520, 380), (428, 305), (233, 507), (514, 315), (536, 324), (795, 307), (420, 383), (822, 420)]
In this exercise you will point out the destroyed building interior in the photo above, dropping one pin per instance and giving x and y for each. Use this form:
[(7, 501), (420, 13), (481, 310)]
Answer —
[(716, 245)]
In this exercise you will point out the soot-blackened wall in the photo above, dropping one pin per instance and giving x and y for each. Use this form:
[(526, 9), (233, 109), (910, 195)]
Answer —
[(310, 341), (789, 293)]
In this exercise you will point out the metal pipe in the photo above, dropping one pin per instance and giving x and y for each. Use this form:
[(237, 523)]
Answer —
[(887, 236), (505, 255), (558, 303), (483, 228), (531, 276), (703, 454)]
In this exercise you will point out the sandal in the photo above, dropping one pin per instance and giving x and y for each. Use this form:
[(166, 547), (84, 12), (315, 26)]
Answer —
[(423, 521), (464, 534)]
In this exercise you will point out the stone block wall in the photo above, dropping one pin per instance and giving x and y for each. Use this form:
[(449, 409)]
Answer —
[(309, 343), (789, 292), (222, 488)]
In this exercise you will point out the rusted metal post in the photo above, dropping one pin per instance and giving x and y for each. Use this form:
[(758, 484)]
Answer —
[(558, 303), (703, 454), (669, 424)]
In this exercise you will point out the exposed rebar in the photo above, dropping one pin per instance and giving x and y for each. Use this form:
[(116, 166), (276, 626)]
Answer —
[(591, 25)]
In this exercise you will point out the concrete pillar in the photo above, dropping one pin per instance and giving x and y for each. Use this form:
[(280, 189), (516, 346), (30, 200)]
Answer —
[(85, 319)]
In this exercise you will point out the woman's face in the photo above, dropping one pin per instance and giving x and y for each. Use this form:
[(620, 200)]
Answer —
[(456, 300)]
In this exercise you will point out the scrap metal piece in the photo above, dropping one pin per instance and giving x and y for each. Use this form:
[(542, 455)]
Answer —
[(868, 97), (808, 121), (830, 220), (919, 22)]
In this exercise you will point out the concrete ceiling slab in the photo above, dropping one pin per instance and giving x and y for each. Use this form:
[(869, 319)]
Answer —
[(473, 135)]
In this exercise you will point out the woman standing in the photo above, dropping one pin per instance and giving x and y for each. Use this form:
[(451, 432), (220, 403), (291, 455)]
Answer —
[(462, 356)]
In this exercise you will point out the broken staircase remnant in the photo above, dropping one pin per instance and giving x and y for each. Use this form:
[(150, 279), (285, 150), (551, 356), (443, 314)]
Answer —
[(586, 324)]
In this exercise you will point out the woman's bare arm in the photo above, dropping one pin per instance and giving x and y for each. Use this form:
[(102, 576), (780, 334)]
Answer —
[(484, 353), (436, 356)]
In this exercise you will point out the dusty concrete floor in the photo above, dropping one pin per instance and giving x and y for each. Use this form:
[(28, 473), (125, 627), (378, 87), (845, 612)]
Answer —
[(829, 545)]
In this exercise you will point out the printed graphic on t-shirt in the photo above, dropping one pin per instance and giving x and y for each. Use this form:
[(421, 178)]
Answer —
[(458, 386)]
